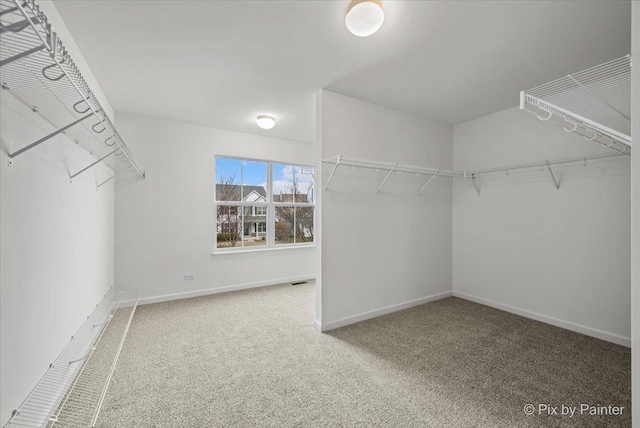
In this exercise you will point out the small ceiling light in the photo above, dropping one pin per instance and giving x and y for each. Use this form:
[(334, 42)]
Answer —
[(266, 122), (364, 17)]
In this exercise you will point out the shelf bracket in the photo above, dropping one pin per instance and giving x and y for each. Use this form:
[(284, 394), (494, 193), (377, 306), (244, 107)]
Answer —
[(93, 164), (428, 182), (16, 27), (111, 178), (386, 178), (10, 10), (475, 184), (602, 100), (326, 187), (43, 139), (553, 177), (91, 349), (21, 55)]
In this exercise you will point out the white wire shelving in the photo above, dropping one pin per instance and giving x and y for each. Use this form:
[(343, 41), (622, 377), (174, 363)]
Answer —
[(594, 103), (83, 402), (40, 406), (389, 167), (433, 173), (36, 68), (73, 389)]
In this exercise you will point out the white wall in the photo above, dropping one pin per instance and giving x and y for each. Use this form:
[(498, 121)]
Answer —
[(386, 252), (165, 225), (562, 257), (635, 212), (56, 248)]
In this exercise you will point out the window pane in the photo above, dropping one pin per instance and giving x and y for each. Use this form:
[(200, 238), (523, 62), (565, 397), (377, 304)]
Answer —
[(254, 180), (229, 227), (304, 224), (284, 221), (303, 177), (228, 173), (254, 231), (283, 184)]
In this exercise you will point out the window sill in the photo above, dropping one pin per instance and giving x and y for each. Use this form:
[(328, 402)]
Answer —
[(261, 250)]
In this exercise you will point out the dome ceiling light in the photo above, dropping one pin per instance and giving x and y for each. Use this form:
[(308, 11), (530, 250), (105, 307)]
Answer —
[(364, 17), (266, 122)]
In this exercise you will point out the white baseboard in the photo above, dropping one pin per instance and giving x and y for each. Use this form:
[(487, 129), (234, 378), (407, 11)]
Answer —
[(362, 316), (567, 325), (207, 291)]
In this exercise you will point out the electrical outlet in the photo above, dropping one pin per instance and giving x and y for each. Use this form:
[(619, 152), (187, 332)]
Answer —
[(189, 276)]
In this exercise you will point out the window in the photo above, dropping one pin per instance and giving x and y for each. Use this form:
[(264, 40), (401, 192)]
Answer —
[(263, 204)]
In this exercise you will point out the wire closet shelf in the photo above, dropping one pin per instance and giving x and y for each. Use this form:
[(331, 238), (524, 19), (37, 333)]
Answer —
[(37, 69), (75, 384), (594, 103), (432, 173)]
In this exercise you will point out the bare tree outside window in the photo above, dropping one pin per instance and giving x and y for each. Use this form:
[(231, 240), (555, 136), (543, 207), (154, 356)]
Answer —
[(293, 224), (229, 218)]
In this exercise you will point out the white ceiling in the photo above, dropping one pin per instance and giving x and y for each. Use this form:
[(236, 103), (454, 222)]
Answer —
[(221, 63)]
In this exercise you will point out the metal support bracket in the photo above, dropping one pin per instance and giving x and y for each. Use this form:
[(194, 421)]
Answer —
[(553, 177), (93, 164), (428, 182), (326, 187), (111, 178), (17, 27), (21, 55), (93, 348), (475, 184), (386, 178), (43, 139), (599, 98)]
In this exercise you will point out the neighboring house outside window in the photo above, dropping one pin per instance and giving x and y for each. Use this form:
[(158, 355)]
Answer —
[(261, 203)]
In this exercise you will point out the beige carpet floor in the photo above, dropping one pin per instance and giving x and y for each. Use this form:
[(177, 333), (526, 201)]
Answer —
[(253, 358)]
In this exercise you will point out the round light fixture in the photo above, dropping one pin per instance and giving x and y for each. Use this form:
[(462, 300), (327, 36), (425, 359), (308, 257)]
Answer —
[(364, 17), (266, 122)]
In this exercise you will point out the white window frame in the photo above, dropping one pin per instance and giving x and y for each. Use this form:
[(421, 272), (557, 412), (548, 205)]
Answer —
[(269, 204)]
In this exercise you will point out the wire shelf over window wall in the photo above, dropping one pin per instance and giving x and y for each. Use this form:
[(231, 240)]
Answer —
[(36, 68)]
